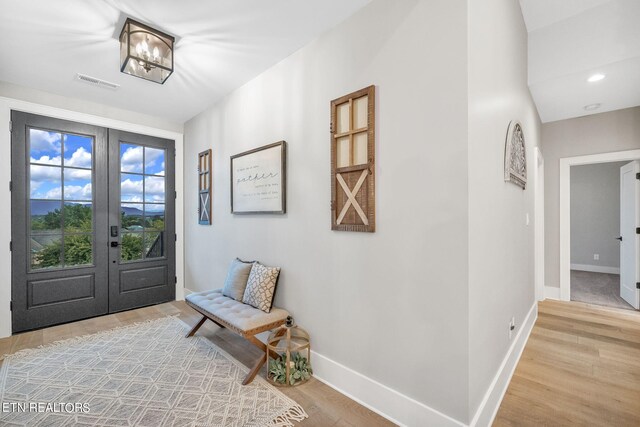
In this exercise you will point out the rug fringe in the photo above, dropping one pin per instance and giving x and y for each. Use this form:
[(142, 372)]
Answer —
[(295, 413), (86, 337)]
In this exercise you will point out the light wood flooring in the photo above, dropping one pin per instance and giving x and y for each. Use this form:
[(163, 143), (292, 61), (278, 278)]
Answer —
[(581, 366), (324, 405)]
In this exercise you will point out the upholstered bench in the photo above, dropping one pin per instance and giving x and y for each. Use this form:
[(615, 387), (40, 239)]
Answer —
[(238, 317)]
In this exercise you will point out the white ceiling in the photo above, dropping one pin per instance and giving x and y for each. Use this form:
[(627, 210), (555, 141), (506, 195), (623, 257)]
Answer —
[(570, 40), (221, 44)]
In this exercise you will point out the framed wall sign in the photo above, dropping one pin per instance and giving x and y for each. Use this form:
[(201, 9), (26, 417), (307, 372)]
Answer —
[(204, 187), (258, 180)]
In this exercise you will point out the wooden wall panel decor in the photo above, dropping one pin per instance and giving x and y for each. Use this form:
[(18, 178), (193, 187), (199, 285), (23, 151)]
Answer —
[(204, 187), (353, 199), (515, 156)]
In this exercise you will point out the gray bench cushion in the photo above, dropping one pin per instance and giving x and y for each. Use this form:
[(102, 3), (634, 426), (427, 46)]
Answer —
[(240, 316)]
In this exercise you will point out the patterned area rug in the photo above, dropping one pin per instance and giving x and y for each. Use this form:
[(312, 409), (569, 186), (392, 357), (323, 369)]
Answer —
[(146, 374)]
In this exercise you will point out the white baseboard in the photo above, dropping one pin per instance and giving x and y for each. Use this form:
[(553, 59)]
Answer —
[(490, 404), (595, 268), (389, 403), (187, 292), (552, 293)]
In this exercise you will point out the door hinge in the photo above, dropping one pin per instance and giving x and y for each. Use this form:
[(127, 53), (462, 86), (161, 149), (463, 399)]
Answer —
[(638, 175), (638, 230), (175, 237), (175, 279), (10, 186), (10, 246), (175, 194), (333, 205), (10, 305), (638, 285)]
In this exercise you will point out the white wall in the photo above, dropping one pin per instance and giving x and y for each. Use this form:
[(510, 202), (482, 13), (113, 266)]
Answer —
[(10, 90), (595, 134), (392, 305), (595, 215), (501, 244), (32, 101)]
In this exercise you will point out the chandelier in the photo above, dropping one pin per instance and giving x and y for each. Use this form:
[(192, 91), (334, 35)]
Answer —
[(145, 52)]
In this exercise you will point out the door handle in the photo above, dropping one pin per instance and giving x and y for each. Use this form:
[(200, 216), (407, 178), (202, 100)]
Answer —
[(114, 244), (619, 238)]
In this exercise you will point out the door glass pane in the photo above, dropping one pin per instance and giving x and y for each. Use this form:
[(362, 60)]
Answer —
[(77, 184), (78, 250), (154, 216), (153, 161), (154, 245), (46, 182), (131, 216), (46, 251), (77, 151), (44, 147), (131, 246), (45, 216), (131, 188), (60, 176), (153, 189), (77, 217), (131, 158)]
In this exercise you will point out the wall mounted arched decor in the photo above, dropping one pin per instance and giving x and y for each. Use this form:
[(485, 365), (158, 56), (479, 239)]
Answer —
[(515, 156)]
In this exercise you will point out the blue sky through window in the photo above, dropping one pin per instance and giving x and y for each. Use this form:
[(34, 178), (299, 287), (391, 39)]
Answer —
[(77, 151)]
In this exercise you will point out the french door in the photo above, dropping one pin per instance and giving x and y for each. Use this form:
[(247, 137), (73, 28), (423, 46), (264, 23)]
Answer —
[(93, 226)]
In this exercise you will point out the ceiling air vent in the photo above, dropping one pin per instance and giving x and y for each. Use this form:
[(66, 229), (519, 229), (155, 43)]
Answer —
[(97, 82)]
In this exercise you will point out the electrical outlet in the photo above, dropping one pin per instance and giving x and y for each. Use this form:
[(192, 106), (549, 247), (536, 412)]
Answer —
[(596, 257), (512, 327)]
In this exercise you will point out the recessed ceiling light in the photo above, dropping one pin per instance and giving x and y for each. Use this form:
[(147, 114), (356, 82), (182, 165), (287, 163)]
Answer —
[(592, 107), (596, 78)]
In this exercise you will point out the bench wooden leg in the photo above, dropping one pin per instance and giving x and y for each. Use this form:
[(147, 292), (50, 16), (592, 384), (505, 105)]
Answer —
[(254, 371), (195, 328)]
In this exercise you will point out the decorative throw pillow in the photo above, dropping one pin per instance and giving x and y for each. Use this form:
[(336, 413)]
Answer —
[(237, 279), (261, 286)]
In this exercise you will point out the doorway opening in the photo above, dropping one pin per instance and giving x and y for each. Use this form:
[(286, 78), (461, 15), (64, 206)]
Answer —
[(596, 210), (600, 213)]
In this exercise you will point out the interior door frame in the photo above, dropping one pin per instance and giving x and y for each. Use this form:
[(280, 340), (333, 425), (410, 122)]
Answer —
[(565, 209), (9, 104)]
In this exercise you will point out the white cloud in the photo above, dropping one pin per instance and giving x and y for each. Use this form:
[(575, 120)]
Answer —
[(154, 186), (74, 174), (80, 158), (131, 159), (47, 160), (45, 173), (131, 187), (41, 140), (77, 192), (71, 192), (152, 155)]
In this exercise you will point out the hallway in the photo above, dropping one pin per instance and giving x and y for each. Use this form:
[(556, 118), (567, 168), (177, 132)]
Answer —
[(581, 366)]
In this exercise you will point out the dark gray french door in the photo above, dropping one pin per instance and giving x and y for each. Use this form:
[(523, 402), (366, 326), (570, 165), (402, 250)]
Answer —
[(93, 227)]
